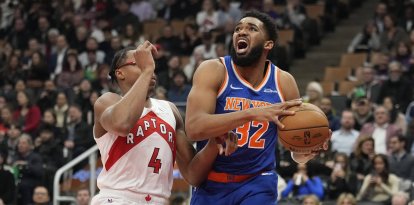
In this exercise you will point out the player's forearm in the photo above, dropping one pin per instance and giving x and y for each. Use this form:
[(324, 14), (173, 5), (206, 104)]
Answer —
[(197, 170), (204, 126), (125, 113)]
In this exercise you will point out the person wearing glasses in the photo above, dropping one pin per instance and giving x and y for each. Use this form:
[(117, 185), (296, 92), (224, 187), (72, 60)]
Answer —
[(140, 137)]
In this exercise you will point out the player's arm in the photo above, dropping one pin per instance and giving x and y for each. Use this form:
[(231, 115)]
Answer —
[(202, 123), (118, 115), (194, 166)]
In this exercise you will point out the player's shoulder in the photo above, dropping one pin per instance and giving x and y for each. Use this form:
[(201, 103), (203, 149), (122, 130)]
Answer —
[(107, 99), (211, 65)]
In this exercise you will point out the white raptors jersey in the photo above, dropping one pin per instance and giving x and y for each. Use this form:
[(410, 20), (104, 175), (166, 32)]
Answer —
[(140, 165)]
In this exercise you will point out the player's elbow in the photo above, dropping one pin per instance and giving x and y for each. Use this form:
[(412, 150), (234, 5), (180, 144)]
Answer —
[(194, 130), (194, 134), (121, 129), (194, 181)]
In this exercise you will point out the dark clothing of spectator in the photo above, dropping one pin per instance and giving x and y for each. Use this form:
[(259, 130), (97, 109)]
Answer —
[(121, 20), (47, 100), (401, 91), (176, 94), (337, 187), (7, 188), (170, 44), (31, 175), (402, 166), (334, 121)]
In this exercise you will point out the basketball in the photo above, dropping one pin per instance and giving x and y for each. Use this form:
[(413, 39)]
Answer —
[(307, 130)]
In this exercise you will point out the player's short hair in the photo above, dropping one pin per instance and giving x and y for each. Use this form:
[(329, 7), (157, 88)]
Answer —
[(118, 59), (267, 21)]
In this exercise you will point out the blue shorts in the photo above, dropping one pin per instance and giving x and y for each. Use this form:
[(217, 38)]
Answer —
[(261, 189)]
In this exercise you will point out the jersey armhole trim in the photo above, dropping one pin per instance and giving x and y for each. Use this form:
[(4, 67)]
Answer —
[(225, 81), (279, 87)]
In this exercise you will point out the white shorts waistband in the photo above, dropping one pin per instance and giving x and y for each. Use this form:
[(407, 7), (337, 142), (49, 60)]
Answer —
[(134, 196)]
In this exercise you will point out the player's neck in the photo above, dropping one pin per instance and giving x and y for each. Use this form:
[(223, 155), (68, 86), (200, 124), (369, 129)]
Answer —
[(255, 73)]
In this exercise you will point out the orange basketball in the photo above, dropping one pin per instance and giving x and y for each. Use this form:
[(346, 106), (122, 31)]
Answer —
[(307, 130)]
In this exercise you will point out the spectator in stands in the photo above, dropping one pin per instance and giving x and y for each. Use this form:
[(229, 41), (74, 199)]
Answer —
[(392, 34), (47, 96), (27, 115), (208, 47), (381, 129), (407, 22), (41, 196), (400, 198), (341, 176), (343, 140), (379, 185), (12, 71), (165, 77), (102, 84), (92, 46), (83, 197), (49, 121), (190, 38), (362, 112), (195, 60), (311, 200), (57, 57), (369, 87), (402, 54), (314, 93), (88, 109), (143, 10), (366, 40), (43, 26), (38, 72), (124, 16), (401, 162), (130, 37), (91, 69), (115, 45), (303, 184), (228, 12), (346, 199), (360, 159), (29, 164), (380, 11), (83, 94), (78, 42), (397, 87), (79, 138), (72, 71), (61, 110), (5, 119), (326, 107), (18, 35), (10, 141), (180, 89), (51, 151), (396, 116), (208, 18), (172, 10), (7, 188), (169, 41)]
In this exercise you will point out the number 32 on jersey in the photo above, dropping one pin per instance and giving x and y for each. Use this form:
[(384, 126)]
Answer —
[(254, 141)]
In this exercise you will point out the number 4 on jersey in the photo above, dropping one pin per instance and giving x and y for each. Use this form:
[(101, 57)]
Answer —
[(154, 162)]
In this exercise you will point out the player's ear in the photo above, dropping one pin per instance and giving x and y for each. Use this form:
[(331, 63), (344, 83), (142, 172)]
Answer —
[(119, 74), (268, 45)]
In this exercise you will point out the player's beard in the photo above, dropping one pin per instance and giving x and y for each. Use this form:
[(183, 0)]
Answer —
[(249, 59)]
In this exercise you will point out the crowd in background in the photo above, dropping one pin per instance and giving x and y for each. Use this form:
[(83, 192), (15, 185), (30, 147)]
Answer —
[(55, 57)]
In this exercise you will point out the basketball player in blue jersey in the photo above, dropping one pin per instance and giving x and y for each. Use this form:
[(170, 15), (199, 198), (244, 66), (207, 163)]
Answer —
[(246, 93)]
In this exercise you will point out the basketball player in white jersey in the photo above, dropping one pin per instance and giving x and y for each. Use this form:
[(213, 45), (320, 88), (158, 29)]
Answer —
[(139, 137)]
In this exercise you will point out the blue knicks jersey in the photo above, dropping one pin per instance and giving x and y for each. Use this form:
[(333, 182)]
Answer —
[(257, 140)]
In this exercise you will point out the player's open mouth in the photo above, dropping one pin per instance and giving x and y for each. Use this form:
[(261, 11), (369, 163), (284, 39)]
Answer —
[(242, 46)]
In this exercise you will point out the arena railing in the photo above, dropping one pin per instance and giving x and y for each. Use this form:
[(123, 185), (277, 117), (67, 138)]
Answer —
[(91, 153)]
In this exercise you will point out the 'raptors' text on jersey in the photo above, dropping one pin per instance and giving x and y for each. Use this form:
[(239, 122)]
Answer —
[(141, 163), (257, 140)]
